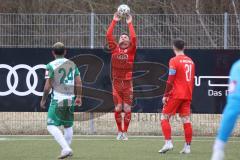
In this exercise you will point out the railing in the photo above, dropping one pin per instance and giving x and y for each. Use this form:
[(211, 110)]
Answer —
[(208, 31)]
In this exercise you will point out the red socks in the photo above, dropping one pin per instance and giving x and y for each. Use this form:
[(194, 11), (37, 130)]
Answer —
[(127, 119), (166, 129), (188, 132), (118, 118)]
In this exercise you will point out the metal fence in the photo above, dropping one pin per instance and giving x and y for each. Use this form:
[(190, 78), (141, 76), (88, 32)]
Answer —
[(34, 123), (88, 30)]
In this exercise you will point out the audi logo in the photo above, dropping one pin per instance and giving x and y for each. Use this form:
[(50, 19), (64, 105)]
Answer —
[(12, 87)]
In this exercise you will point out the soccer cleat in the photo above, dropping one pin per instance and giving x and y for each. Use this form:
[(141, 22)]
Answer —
[(124, 136), (119, 136), (218, 155), (186, 149), (66, 154), (167, 147)]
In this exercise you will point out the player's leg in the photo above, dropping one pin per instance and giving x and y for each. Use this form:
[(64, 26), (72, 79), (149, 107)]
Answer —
[(68, 123), (127, 119), (53, 122), (230, 116), (184, 113), (127, 106), (118, 108), (58, 136), (187, 126), (68, 134), (118, 119), (166, 131), (169, 109)]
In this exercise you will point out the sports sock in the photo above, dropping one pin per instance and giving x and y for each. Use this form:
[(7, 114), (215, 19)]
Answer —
[(118, 118), (166, 129), (68, 134), (58, 136), (188, 133), (219, 145), (127, 119)]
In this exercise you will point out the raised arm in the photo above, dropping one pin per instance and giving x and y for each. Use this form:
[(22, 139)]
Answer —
[(131, 31), (110, 37)]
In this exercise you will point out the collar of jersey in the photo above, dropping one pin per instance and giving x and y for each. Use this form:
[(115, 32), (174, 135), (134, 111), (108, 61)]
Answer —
[(59, 57)]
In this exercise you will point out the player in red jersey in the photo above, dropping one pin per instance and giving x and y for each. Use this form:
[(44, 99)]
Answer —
[(123, 54), (178, 96)]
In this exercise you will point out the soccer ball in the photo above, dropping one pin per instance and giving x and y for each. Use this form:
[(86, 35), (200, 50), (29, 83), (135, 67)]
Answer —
[(123, 10)]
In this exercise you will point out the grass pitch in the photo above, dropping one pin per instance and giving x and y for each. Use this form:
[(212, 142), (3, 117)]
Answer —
[(107, 148)]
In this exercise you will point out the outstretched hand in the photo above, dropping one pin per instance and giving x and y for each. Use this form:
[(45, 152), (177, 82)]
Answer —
[(116, 16), (129, 18)]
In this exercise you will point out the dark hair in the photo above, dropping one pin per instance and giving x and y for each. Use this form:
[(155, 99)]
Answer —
[(58, 48), (178, 44), (59, 51), (124, 33)]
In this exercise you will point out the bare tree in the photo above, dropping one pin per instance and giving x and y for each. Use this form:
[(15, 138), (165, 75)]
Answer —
[(236, 16), (202, 23)]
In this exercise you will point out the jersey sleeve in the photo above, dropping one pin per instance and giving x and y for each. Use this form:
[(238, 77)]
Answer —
[(110, 38), (49, 73), (171, 77), (76, 72), (172, 67), (132, 35), (234, 82)]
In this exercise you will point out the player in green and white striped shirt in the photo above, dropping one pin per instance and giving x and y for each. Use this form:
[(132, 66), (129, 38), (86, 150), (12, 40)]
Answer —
[(63, 77)]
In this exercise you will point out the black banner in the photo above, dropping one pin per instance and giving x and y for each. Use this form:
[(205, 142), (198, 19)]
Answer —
[(22, 78)]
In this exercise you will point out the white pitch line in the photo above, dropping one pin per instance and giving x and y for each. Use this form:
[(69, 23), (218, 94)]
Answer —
[(94, 139), (146, 136), (111, 137)]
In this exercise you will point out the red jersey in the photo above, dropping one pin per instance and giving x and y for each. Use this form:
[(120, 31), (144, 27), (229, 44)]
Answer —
[(122, 59), (181, 77)]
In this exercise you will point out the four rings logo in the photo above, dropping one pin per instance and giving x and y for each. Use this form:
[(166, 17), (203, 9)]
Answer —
[(12, 87), (12, 79)]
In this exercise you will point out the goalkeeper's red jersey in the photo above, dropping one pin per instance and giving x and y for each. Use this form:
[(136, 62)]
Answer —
[(122, 59), (181, 78)]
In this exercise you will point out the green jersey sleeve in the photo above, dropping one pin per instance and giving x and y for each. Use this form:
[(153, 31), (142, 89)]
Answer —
[(49, 72), (76, 73)]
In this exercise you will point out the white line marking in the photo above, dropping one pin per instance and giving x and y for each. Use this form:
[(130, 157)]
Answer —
[(96, 139), (204, 137)]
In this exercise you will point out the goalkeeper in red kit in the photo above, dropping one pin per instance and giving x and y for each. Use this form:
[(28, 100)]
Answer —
[(123, 54), (178, 96)]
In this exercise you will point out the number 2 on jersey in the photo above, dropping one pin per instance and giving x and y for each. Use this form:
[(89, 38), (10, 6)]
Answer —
[(188, 72), (64, 79)]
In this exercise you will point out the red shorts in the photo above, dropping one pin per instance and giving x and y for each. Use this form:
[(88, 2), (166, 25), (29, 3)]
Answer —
[(122, 91), (174, 106)]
